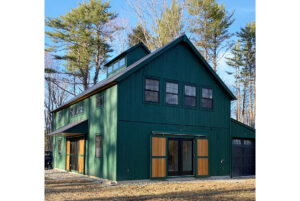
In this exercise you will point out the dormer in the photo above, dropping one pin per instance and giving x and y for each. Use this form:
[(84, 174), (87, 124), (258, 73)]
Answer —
[(126, 58)]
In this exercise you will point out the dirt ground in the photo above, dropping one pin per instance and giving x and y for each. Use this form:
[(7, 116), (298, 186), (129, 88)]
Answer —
[(81, 189)]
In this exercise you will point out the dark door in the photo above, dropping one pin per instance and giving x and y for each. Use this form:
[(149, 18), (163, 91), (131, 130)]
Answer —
[(74, 155), (180, 156), (243, 157)]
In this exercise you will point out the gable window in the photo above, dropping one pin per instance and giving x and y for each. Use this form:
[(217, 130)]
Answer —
[(99, 101), (190, 98), (207, 98), (99, 146), (59, 146), (152, 90), (172, 93)]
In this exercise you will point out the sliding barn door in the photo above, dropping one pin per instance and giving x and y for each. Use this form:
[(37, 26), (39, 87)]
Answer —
[(81, 156), (158, 157), (68, 144), (202, 157)]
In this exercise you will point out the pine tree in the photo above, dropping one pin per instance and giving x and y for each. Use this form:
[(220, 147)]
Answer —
[(82, 35), (209, 24), (220, 33), (236, 62), (139, 34), (247, 37), (170, 25)]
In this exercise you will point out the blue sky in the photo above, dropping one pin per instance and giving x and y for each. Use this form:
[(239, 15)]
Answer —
[(244, 12)]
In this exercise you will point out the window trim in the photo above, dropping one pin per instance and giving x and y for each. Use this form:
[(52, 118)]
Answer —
[(59, 152), (60, 116), (144, 90), (100, 106), (178, 89), (212, 103), (191, 85), (102, 138)]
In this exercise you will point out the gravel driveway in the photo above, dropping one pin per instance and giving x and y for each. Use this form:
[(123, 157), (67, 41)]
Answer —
[(61, 185)]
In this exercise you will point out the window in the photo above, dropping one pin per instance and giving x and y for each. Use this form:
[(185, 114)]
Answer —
[(236, 141), (172, 93), (152, 90), (207, 98), (190, 98), (116, 66), (99, 101), (122, 62), (59, 146), (109, 69), (80, 108), (71, 112), (99, 146), (247, 142), (59, 116)]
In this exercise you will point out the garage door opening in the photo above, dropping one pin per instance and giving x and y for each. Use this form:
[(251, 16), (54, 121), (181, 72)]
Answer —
[(243, 157)]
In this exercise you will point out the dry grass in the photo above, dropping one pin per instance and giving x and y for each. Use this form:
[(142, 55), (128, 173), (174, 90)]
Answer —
[(78, 189)]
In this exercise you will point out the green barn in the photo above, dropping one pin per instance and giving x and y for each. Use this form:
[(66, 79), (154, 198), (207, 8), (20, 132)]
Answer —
[(158, 114)]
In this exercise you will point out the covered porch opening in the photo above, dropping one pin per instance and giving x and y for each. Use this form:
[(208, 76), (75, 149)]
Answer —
[(76, 135), (178, 154)]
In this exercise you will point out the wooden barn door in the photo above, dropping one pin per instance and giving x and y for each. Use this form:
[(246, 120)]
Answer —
[(202, 157), (158, 157), (81, 156), (68, 144)]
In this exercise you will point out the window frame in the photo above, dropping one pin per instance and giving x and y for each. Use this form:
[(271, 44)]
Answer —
[(196, 91), (159, 90), (59, 144), (178, 92), (102, 138), (60, 116), (100, 106), (212, 99)]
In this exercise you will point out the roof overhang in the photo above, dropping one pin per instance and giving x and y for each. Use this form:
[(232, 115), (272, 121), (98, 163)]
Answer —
[(76, 128)]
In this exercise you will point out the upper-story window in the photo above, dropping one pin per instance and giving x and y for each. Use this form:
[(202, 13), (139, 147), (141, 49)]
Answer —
[(100, 101), (207, 98), (72, 112), (122, 62), (151, 90), (109, 69), (116, 65), (172, 93), (80, 110), (59, 116), (190, 98)]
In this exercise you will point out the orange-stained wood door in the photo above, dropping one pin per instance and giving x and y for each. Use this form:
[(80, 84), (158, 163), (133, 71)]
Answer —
[(81, 156), (68, 155), (202, 157), (158, 157)]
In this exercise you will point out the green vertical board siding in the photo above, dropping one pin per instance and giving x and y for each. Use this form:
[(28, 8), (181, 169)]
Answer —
[(137, 119), (135, 55), (103, 121), (59, 161), (241, 130)]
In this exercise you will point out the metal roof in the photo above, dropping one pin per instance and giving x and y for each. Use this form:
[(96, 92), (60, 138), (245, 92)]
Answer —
[(66, 127), (124, 73), (140, 44)]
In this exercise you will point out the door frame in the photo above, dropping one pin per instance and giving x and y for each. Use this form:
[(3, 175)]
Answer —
[(194, 138), (84, 155), (180, 172)]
